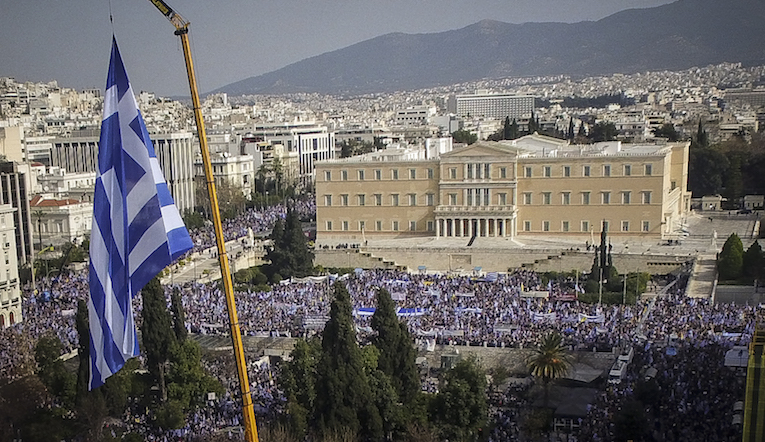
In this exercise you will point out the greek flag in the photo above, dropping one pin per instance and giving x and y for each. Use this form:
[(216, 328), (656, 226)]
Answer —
[(137, 230)]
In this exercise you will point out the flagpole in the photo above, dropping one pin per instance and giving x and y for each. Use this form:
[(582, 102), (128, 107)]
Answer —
[(182, 30)]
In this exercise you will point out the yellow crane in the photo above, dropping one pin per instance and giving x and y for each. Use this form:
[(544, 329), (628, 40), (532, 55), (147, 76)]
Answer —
[(182, 30)]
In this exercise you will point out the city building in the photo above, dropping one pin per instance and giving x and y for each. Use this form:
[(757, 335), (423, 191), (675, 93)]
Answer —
[(491, 105), (10, 292), (535, 185), (13, 191), (78, 153), (311, 141), (59, 221)]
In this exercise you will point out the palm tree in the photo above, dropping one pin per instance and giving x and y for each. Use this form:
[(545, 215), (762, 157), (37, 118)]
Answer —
[(549, 361)]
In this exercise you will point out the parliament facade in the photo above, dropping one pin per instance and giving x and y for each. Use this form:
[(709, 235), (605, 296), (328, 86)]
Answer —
[(535, 185)]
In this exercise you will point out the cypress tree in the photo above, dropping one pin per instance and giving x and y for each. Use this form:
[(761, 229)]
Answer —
[(179, 317), (730, 259), (754, 261), (397, 354), (157, 333), (343, 395)]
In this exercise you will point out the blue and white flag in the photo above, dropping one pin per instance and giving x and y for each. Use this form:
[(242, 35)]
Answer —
[(137, 230)]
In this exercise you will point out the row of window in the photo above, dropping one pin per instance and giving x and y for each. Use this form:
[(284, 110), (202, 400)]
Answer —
[(394, 226), (586, 197), (483, 171), (377, 199), (627, 170), (585, 226), (377, 174)]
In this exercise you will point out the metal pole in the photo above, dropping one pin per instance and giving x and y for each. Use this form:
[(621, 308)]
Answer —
[(251, 430)]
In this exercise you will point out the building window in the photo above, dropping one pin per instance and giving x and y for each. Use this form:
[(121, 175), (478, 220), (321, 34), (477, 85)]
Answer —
[(378, 226), (585, 198), (345, 225), (606, 197), (430, 226), (344, 175), (329, 225), (430, 173), (395, 226), (527, 226), (394, 199), (646, 226), (452, 199), (430, 198), (566, 198), (564, 226), (503, 172), (607, 170), (548, 171), (327, 175), (412, 199), (566, 171), (546, 198), (528, 172), (378, 174), (412, 174), (486, 170), (672, 186), (646, 197), (606, 225), (502, 199), (527, 198), (362, 200), (469, 197), (627, 170), (412, 226), (649, 169), (394, 174), (453, 173), (625, 226), (469, 171), (585, 226), (344, 200), (362, 225), (626, 197), (327, 200), (586, 171), (545, 226), (378, 199), (361, 175)]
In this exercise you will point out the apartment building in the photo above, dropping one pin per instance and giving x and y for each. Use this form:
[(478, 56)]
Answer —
[(10, 290), (491, 105), (532, 186)]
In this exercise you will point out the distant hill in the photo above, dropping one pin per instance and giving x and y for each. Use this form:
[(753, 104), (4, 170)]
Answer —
[(675, 36)]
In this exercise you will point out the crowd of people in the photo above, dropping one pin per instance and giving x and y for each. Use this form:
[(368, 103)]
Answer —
[(505, 310)]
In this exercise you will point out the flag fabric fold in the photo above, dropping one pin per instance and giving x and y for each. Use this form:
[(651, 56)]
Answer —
[(137, 230)]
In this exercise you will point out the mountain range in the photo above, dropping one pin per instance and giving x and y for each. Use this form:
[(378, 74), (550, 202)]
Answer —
[(674, 36)]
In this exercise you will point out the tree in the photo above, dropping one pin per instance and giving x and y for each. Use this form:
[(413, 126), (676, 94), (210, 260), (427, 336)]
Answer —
[(157, 334), (51, 371), (753, 261), (549, 361), (706, 171), (701, 140), (460, 408), (298, 380), (289, 254), (463, 136), (570, 133), (603, 131), (179, 317), (731, 258), (397, 354), (668, 131), (344, 400)]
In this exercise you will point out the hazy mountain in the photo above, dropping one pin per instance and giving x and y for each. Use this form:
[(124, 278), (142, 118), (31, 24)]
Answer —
[(674, 36)]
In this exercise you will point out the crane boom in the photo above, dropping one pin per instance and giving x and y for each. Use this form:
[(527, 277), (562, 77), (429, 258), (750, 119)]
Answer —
[(182, 30), (175, 18)]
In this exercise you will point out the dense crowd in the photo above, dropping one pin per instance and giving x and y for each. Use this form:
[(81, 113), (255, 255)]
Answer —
[(447, 309)]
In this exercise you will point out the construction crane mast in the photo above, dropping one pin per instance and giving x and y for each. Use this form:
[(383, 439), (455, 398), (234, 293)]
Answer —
[(182, 30)]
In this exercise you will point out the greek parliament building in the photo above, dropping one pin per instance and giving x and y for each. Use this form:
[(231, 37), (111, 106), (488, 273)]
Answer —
[(535, 185), (79, 153)]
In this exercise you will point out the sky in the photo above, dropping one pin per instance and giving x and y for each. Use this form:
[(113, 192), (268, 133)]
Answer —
[(69, 40)]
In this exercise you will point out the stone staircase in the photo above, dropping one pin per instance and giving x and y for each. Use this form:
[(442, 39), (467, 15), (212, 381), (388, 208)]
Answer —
[(703, 280)]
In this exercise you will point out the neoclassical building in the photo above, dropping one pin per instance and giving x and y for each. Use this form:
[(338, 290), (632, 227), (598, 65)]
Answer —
[(535, 185)]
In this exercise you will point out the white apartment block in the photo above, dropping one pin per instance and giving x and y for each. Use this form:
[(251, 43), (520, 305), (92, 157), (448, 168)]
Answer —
[(237, 170), (312, 142), (58, 221), (491, 105), (175, 151), (10, 292)]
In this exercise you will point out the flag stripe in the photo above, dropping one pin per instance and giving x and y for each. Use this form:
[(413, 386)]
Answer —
[(137, 230)]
